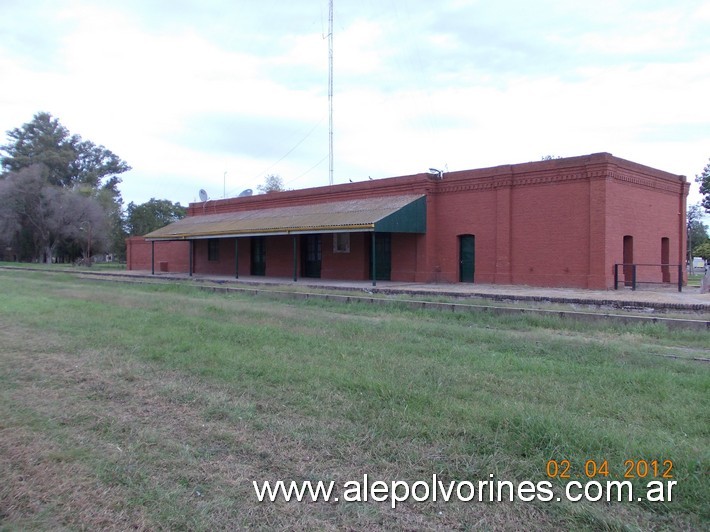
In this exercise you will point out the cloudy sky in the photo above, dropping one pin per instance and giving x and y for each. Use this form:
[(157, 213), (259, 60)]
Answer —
[(186, 90)]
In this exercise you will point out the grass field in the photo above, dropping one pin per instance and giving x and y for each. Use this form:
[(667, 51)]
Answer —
[(694, 279), (152, 407)]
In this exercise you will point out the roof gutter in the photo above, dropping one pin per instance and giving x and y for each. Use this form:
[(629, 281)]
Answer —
[(271, 232)]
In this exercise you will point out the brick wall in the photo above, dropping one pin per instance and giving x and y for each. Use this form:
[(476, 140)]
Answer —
[(648, 218), (342, 266), (175, 254), (556, 223)]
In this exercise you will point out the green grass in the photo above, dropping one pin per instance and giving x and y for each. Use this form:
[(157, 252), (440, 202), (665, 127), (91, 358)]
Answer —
[(203, 393), (107, 266), (694, 279), (101, 266)]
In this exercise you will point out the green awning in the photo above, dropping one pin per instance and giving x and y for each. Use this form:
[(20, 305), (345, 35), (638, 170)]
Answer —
[(392, 214)]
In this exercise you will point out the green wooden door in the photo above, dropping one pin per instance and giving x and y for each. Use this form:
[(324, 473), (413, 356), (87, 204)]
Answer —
[(311, 255), (467, 258), (383, 256), (258, 255)]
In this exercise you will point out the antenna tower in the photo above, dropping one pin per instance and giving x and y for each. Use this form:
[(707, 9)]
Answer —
[(330, 93)]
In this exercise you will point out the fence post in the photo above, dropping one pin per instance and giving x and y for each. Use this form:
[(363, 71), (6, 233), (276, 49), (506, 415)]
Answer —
[(616, 276), (633, 277), (680, 278)]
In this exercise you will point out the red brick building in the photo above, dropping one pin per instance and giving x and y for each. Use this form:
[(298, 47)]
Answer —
[(557, 223)]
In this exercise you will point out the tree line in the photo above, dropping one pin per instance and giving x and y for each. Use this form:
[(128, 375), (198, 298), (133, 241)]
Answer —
[(59, 197)]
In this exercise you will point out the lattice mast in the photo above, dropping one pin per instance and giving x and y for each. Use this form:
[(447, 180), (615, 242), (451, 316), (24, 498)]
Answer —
[(330, 92)]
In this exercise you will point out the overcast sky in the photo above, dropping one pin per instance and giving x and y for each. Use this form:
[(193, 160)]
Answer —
[(185, 90)]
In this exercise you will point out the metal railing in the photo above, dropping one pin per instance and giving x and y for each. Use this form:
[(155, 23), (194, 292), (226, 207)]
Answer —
[(633, 275)]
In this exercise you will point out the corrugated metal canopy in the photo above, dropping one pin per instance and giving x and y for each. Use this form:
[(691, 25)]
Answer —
[(401, 214)]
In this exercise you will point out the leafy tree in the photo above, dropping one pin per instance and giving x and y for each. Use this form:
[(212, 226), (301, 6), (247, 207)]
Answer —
[(697, 230), (272, 183), (68, 160), (704, 180), (60, 168), (43, 141), (698, 233), (703, 250), (154, 214)]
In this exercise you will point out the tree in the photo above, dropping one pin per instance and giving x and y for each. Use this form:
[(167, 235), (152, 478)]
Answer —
[(113, 208), (68, 160), (43, 141), (63, 171), (698, 233), (154, 214), (697, 230), (272, 183), (704, 180), (85, 223), (41, 217), (703, 250)]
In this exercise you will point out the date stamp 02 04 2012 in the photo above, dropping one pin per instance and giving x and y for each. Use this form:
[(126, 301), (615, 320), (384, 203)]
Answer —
[(632, 469)]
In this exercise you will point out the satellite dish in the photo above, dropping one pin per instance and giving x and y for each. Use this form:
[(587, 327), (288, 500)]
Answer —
[(247, 192), (435, 172), (203, 195)]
